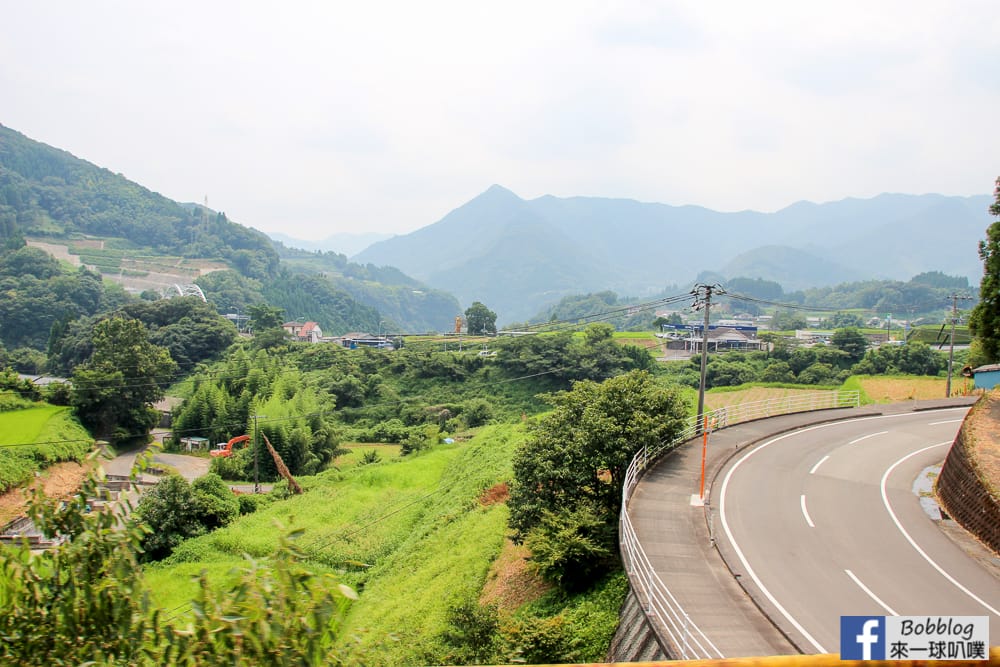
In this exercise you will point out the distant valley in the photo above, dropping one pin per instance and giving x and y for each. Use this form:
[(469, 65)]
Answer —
[(343, 243), (519, 257)]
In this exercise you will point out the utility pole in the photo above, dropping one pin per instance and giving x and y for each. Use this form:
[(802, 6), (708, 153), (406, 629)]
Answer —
[(708, 289), (701, 426), (256, 463), (951, 345)]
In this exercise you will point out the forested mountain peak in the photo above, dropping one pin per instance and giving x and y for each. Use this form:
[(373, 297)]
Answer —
[(574, 245)]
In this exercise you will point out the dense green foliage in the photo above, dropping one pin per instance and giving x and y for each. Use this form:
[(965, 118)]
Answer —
[(171, 512), (404, 304), (174, 511), (851, 341), (113, 390), (294, 415), (814, 365), (572, 545), (188, 328), (315, 298), (607, 305), (46, 306), (480, 320), (568, 477), (985, 320), (38, 294), (565, 358), (339, 304), (558, 628), (924, 295), (46, 191), (382, 395), (909, 359), (86, 602)]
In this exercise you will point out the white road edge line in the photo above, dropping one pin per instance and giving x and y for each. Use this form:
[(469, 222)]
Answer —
[(818, 464), (865, 437), (950, 421), (888, 507), (729, 532), (805, 512), (739, 552), (867, 590)]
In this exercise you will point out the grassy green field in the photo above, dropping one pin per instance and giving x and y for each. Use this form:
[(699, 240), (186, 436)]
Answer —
[(414, 535), (896, 388), (36, 437), (19, 426), (934, 335), (357, 450)]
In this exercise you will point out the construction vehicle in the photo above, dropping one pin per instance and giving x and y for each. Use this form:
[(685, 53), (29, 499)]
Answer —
[(225, 450)]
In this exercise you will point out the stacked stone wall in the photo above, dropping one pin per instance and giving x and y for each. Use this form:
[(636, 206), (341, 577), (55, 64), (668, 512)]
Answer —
[(964, 492)]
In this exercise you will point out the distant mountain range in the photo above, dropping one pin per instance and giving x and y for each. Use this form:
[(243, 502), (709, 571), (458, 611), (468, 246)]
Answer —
[(519, 256), (343, 243)]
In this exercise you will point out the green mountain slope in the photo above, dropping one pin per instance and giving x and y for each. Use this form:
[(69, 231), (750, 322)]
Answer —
[(45, 191), (48, 194), (520, 256)]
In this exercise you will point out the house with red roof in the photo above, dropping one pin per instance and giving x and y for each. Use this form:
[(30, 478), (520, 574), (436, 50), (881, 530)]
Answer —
[(308, 332)]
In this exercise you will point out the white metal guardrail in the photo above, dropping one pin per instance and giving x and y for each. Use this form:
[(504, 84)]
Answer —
[(666, 615)]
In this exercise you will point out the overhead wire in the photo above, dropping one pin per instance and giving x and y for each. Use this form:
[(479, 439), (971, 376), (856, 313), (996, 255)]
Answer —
[(552, 326)]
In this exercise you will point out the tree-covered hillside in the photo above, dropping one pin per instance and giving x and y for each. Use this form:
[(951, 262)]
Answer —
[(47, 193), (403, 304), (520, 256), (926, 297)]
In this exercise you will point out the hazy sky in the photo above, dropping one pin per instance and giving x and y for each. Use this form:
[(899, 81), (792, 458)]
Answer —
[(312, 118)]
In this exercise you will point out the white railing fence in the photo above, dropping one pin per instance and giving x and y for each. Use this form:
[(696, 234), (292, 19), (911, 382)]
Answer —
[(665, 614)]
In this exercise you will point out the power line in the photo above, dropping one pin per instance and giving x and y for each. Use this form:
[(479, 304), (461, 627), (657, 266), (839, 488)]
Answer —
[(571, 323), (319, 413)]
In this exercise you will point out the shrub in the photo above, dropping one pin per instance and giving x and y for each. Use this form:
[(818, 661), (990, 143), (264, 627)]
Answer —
[(572, 547), (251, 502), (476, 412), (392, 430), (473, 634), (217, 505), (369, 457), (817, 373), (171, 511), (84, 602), (414, 442), (542, 640), (233, 467)]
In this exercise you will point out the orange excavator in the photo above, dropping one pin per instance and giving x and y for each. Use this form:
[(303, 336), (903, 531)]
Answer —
[(226, 450)]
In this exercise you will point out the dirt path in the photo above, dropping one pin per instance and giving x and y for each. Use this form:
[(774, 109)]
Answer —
[(62, 480), (58, 481)]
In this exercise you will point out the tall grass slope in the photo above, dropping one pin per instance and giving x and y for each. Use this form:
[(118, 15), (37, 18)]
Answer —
[(412, 536)]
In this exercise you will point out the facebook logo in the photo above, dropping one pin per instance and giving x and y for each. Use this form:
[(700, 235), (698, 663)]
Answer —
[(862, 637)]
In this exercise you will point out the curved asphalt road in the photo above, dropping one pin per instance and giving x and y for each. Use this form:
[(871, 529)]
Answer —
[(824, 522)]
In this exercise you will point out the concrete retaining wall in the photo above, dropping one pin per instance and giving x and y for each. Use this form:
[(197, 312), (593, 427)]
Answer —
[(634, 640), (963, 492)]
